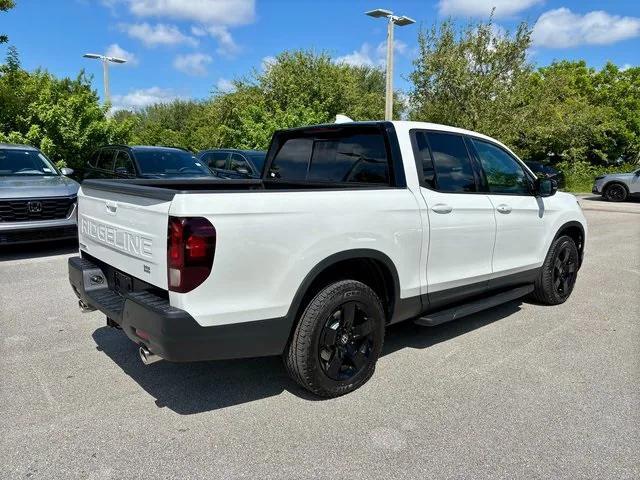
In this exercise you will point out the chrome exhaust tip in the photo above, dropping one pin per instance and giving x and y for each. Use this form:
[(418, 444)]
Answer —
[(84, 308), (147, 357)]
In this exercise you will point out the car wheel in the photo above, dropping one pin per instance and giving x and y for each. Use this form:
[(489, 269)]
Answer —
[(558, 273), (615, 192), (337, 342)]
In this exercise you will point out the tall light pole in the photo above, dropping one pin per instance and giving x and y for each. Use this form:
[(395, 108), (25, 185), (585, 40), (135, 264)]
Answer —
[(392, 20), (105, 71)]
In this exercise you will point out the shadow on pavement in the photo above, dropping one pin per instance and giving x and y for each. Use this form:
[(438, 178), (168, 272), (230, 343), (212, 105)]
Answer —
[(190, 388), (37, 250)]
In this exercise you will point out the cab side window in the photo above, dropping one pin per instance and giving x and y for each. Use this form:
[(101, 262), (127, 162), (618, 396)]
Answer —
[(105, 161), (217, 160), (446, 164), (124, 164), (503, 172), (238, 162)]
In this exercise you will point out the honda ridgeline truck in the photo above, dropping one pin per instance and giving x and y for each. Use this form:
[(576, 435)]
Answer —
[(352, 227)]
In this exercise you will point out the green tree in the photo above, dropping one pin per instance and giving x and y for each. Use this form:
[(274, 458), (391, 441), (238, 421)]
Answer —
[(471, 78), (298, 88), (4, 6), (62, 117)]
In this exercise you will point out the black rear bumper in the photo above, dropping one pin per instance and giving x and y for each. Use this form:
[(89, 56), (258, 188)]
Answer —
[(173, 334)]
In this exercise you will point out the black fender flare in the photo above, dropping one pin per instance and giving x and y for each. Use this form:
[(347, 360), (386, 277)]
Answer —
[(579, 226), (358, 253)]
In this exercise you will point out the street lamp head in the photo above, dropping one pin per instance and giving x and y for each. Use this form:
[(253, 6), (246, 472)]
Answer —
[(379, 12), (92, 55), (402, 21), (116, 60)]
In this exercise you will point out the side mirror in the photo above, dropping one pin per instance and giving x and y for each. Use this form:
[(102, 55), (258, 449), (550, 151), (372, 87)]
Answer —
[(121, 171), (242, 171), (546, 187), (66, 171)]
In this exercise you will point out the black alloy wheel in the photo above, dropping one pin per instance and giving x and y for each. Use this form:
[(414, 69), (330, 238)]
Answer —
[(346, 341), (558, 273), (615, 193), (564, 271), (338, 339)]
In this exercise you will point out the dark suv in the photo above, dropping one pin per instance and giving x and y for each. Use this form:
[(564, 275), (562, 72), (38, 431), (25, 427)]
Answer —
[(121, 161), (231, 163)]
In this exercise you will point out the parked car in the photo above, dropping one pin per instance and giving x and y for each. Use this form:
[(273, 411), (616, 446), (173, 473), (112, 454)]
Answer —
[(37, 201), (230, 163), (618, 187), (352, 227), (122, 161), (543, 170)]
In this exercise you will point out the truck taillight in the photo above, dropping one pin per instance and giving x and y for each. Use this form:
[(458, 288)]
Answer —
[(191, 245)]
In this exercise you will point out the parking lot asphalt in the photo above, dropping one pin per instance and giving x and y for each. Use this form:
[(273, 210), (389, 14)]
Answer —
[(518, 391)]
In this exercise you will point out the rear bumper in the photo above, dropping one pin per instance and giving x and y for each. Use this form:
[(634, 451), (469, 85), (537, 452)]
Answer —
[(148, 319)]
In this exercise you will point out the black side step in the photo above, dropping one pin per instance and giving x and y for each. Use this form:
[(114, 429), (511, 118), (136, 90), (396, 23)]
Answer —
[(442, 316)]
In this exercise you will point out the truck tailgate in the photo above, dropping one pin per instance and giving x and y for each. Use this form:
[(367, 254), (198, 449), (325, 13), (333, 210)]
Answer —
[(128, 232)]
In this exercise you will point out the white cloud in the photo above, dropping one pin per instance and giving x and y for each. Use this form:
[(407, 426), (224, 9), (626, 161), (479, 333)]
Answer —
[(209, 12), (359, 58), (225, 85), (192, 64), (141, 98), (228, 46), (159, 34), (115, 50), (367, 56), (561, 28), (625, 67), (479, 8)]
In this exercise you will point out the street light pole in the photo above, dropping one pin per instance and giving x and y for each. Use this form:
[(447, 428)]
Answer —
[(105, 71), (105, 80), (392, 21), (388, 96)]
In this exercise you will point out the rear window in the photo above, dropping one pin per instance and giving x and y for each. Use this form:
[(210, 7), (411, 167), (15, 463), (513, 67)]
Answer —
[(349, 155)]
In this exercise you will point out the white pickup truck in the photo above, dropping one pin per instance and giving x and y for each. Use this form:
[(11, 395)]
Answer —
[(352, 227)]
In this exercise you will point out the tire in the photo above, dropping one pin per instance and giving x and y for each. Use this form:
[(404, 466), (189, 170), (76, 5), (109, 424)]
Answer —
[(616, 192), (326, 355), (558, 273)]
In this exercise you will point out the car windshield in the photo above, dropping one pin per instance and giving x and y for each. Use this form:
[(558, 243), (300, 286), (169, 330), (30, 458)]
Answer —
[(169, 163), (24, 162), (258, 160)]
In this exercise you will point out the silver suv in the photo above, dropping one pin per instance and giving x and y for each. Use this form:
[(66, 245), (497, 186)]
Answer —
[(618, 187), (37, 201)]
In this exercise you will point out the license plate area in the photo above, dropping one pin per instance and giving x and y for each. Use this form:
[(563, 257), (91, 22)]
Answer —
[(122, 283)]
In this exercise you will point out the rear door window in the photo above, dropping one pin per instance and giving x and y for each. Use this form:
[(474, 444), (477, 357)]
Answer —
[(452, 168)]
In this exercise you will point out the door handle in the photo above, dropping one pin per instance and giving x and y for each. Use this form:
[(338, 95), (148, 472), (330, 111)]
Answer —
[(503, 208), (442, 208)]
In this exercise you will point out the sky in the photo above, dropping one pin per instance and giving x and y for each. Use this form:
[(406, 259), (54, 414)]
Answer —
[(191, 48)]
